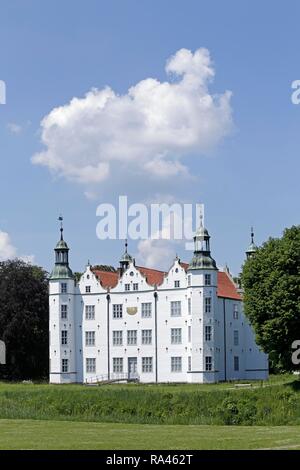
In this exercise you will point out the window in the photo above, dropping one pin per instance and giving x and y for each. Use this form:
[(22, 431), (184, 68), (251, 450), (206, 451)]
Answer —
[(147, 364), (175, 335), (90, 338), (207, 304), (189, 363), (189, 306), (117, 311), (135, 286), (176, 364), (90, 365), (146, 336), (127, 286), (235, 312), (189, 281), (235, 338), (64, 337), (189, 334), (118, 365), (90, 312), (146, 310), (87, 289), (176, 284), (176, 308), (63, 288), (64, 312), (236, 363), (131, 337), (208, 363), (65, 365), (207, 279), (117, 338), (207, 333)]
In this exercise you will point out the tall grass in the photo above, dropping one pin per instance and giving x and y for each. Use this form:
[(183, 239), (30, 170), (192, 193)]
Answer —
[(273, 405)]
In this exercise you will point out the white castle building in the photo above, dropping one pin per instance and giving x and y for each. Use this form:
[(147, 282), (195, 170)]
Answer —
[(184, 325)]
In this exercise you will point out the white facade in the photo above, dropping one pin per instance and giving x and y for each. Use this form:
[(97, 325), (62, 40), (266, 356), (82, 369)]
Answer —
[(189, 328)]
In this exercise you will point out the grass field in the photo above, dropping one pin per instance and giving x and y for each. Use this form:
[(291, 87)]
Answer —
[(135, 416), (273, 403), (31, 434)]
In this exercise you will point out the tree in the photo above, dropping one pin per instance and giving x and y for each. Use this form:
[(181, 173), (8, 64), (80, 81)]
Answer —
[(271, 282), (24, 316), (105, 267)]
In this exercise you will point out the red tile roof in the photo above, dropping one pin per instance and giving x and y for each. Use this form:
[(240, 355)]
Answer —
[(153, 276), (226, 287), (106, 278)]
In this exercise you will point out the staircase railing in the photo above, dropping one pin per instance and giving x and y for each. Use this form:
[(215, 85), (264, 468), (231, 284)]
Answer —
[(114, 377)]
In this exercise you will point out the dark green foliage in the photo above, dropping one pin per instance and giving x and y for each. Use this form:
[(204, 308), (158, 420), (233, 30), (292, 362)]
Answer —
[(24, 320), (104, 267), (271, 281), (77, 276)]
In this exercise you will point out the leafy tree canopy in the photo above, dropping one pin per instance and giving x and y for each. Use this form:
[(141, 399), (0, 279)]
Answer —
[(271, 282), (24, 320), (104, 267)]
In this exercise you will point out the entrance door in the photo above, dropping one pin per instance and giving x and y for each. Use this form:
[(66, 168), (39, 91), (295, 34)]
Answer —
[(132, 367)]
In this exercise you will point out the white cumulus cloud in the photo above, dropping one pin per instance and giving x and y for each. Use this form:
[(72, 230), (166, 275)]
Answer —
[(9, 251), (157, 254), (146, 131)]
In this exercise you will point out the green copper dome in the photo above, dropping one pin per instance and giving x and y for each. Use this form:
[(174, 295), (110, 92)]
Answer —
[(252, 248), (202, 261), (61, 269), (202, 232), (126, 257), (61, 245), (202, 258), (61, 272)]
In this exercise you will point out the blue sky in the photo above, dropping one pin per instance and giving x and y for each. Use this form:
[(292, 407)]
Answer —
[(54, 51)]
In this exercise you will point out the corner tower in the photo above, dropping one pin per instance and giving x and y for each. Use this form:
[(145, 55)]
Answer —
[(61, 316), (202, 280)]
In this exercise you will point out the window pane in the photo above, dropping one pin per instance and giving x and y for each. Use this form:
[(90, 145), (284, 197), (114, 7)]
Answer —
[(117, 338), (117, 365), (176, 308), (146, 310), (147, 364), (175, 335), (117, 311), (146, 336)]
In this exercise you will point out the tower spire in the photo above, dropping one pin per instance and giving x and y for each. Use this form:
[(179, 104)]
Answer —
[(126, 259), (61, 269), (61, 219), (252, 247)]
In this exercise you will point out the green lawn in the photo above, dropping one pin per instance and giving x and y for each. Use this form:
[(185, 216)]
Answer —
[(272, 403), (164, 387), (31, 434)]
